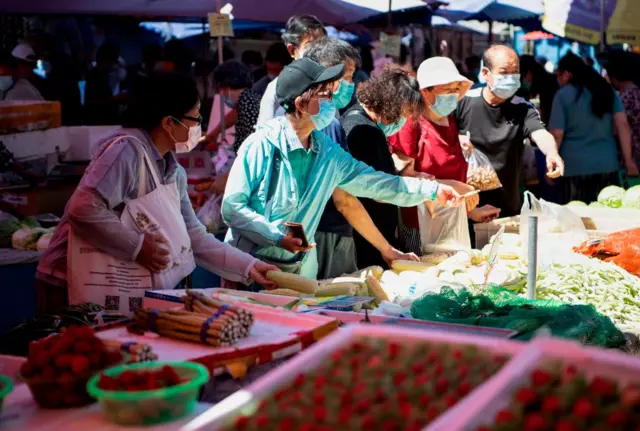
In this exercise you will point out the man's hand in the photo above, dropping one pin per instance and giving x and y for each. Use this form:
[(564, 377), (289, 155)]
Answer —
[(555, 165), (219, 184), (391, 254), (484, 214), (259, 274), (632, 169), (154, 254), (447, 196), (294, 245)]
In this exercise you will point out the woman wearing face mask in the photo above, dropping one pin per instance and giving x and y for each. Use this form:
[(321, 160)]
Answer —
[(384, 102), (429, 144), (130, 224), (287, 171), (586, 115)]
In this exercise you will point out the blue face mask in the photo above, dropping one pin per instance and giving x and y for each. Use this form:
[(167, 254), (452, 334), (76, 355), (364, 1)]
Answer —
[(445, 104), (505, 86), (325, 115), (342, 97), (228, 101), (393, 128)]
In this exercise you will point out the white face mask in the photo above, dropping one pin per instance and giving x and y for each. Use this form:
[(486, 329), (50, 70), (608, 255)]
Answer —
[(195, 133), (5, 83)]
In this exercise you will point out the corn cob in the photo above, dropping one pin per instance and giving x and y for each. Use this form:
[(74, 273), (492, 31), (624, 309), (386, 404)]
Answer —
[(337, 289), (375, 290), (374, 271), (407, 265), (435, 258), (341, 280), (282, 292), (294, 282)]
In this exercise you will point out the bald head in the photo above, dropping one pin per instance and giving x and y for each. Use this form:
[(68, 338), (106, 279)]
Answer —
[(501, 59)]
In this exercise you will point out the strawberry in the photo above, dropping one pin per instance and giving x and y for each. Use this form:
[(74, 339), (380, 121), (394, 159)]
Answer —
[(40, 359), (306, 427), (618, 418), (262, 421), (63, 361), (242, 422), (319, 398), (418, 367), (442, 384), (450, 400), (438, 369), (505, 417), (566, 425), (367, 422), (399, 377), (551, 404), (406, 409), (463, 371), (541, 378), (108, 383), (80, 365), (26, 369), (630, 396), (81, 347), (320, 413), (421, 380), (286, 424), (432, 356), (393, 350), (457, 354), (374, 362), (602, 387), (345, 415), (390, 425), (432, 413), (526, 396), (48, 373), (424, 400), (584, 408), (464, 388), (535, 422)]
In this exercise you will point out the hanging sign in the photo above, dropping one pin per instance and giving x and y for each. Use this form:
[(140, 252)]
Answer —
[(390, 44), (220, 25)]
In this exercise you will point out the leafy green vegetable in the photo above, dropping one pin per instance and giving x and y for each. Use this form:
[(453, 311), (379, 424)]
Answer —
[(596, 205), (611, 196), (631, 198), (8, 226)]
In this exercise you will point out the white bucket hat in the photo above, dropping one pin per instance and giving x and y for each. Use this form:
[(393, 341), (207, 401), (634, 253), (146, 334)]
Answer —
[(24, 52), (438, 71)]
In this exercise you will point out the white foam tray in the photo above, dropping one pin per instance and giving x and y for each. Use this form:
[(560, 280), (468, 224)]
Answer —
[(480, 407), (245, 401)]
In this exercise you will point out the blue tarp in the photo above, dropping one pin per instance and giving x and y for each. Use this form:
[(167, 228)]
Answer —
[(509, 11)]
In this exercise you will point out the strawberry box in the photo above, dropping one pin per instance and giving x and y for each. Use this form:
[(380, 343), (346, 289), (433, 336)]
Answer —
[(366, 376), (554, 385)]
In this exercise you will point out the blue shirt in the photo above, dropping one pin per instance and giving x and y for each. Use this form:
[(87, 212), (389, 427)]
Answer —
[(588, 145), (262, 190)]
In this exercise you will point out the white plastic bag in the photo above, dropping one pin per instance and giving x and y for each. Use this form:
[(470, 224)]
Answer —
[(210, 214), (559, 230), (445, 230), (223, 159), (480, 174)]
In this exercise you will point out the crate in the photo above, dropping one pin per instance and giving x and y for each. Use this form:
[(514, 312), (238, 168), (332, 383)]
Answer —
[(26, 116), (480, 408), (245, 401)]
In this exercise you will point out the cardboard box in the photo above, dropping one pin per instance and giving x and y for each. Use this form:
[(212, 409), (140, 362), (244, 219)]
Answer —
[(26, 116)]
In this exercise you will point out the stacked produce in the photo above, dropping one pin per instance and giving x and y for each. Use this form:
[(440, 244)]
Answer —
[(58, 367), (614, 197), (143, 380), (210, 322), (132, 352), (375, 384), (26, 234), (564, 398)]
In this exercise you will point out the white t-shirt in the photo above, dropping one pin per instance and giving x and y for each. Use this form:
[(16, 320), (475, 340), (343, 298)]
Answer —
[(269, 103), (23, 90)]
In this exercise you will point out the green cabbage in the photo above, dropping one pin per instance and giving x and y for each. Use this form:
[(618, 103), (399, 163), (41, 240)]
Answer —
[(596, 205), (631, 198), (611, 196), (576, 204)]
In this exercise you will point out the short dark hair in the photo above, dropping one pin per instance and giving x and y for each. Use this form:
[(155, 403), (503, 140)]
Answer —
[(233, 74), (488, 56), (163, 95), (298, 26), (391, 94), (277, 53), (472, 62), (621, 69), (251, 58), (330, 51)]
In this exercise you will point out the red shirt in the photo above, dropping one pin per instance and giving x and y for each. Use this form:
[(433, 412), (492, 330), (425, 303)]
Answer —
[(436, 150)]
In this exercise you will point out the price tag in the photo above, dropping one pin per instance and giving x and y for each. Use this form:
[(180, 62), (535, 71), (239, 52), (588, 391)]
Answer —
[(493, 255), (390, 44), (220, 25)]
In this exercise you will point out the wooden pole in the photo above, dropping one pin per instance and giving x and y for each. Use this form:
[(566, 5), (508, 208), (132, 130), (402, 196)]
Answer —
[(220, 60)]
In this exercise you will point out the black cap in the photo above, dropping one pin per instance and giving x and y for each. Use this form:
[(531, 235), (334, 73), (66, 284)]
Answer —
[(301, 75)]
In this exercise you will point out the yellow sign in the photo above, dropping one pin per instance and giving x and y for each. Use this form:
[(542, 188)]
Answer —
[(623, 25), (562, 29), (220, 25)]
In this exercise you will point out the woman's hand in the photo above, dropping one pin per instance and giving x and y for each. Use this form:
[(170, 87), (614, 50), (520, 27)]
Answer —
[(391, 254), (484, 214), (293, 245), (447, 196), (632, 169), (259, 274), (154, 254), (462, 188)]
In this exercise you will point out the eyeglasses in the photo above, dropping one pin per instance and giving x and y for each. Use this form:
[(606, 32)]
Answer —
[(197, 119)]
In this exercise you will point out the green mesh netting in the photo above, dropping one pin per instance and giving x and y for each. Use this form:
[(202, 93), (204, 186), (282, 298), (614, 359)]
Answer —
[(499, 308)]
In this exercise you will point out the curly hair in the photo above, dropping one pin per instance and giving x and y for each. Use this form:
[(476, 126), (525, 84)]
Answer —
[(392, 94)]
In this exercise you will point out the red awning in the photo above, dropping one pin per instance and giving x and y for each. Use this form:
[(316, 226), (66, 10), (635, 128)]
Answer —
[(536, 35)]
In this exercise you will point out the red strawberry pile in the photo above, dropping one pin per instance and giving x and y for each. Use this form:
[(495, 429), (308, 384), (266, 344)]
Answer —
[(58, 367), (136, 381), (375, 384), (563, 399)]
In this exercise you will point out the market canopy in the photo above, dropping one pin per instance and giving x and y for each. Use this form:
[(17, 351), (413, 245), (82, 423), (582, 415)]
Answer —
[(583, 20), (333, 12), (508, 11)]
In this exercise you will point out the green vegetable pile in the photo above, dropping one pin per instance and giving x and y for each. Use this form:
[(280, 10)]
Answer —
[(10, 225), (614, 197), (611, 290)]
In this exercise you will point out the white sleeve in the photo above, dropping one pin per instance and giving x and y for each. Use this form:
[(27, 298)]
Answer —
[(268, 103)]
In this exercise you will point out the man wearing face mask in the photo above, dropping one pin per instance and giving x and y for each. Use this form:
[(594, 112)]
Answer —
[(131, 217), (299, 32), (497, 123), (22, 77)]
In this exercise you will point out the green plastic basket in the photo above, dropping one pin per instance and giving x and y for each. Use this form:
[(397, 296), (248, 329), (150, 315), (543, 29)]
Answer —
[(628, 182), (150, 407), (6, 386)]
